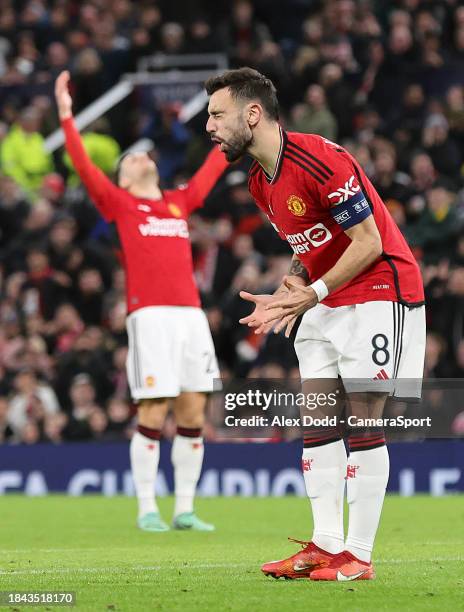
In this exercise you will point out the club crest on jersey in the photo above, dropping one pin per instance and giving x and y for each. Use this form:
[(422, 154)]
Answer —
[(150, 381), (174, 210), (343, 193), (296, 205)]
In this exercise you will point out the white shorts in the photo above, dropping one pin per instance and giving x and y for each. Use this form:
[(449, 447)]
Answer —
[(378, 346), (170, 351)]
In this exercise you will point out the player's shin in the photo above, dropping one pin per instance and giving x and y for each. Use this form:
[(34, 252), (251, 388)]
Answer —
[(366, 481), (187, 459), (324, 469), (144, 456)]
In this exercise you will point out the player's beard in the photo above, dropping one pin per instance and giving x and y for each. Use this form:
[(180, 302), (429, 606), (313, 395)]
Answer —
[(239, 143)]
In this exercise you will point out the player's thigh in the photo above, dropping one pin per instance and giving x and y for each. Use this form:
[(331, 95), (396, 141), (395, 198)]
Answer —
[(189, 409), (412, 343), (200, 370), (155, 347), (382, 349), (371, 351), (317, 357), (411, 353)]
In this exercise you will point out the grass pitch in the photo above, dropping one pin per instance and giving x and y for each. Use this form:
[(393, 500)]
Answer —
[(90, 545)]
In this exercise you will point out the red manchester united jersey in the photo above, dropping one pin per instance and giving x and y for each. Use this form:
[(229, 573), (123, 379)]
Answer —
[(318, 190), (154, 233)]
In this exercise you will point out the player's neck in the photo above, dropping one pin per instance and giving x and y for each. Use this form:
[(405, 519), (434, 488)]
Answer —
[(146, 190), (266, 146)]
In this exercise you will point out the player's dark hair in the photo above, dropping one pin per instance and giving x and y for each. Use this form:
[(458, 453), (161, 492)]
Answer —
[(247, 84)]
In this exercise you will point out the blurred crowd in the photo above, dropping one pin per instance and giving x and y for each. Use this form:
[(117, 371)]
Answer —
[(385, 79)]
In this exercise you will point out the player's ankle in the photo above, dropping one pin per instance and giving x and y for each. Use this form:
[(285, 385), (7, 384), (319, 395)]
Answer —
[(328, 544)]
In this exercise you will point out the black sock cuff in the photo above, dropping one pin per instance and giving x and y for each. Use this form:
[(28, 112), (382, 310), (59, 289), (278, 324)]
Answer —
[(148, 432), (319, 436), (366, 438), (189, 432)]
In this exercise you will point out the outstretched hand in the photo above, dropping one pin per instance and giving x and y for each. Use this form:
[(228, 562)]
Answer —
[(289, 307), (62, 95), (276, 311), (258, 317)]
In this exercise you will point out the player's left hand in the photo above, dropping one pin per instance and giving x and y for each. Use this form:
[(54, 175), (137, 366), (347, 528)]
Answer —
[(288, 309)]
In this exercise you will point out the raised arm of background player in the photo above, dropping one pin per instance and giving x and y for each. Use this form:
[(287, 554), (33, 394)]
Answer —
[(104, 193)]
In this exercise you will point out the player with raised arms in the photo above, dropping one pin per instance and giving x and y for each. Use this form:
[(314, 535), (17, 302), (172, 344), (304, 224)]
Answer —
[(171, 352), (359, 289)]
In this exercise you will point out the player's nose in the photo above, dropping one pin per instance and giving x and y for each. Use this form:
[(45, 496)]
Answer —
[(210, 128)]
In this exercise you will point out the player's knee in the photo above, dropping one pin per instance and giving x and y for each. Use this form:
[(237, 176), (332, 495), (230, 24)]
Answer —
[(152, 412), (190, 419)]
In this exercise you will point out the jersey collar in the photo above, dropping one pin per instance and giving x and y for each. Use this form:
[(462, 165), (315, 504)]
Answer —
[(280, 158)]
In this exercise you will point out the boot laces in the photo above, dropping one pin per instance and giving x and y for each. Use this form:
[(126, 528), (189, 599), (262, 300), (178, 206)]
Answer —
[(304, 544)]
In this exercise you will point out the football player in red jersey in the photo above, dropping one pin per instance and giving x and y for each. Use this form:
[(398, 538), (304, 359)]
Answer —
[(359, 289), (171, 352)]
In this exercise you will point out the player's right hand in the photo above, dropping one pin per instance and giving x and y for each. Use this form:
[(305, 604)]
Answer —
[(62, 95), (258, 317)]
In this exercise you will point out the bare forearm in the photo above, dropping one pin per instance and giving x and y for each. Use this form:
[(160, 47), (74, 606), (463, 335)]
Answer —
[(298, 270), (357, 257), (297, 273)]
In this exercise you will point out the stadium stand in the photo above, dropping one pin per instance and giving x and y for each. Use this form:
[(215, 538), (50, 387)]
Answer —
[(386, 79)]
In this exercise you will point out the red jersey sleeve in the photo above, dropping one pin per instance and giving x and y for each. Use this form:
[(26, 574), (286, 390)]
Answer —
[(104, 194), (202, 182)]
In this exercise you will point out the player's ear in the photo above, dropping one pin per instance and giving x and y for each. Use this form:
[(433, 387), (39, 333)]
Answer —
[(254, 114)]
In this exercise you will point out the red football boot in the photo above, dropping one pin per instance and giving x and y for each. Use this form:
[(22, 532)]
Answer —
[(344, 567), (299, 565)]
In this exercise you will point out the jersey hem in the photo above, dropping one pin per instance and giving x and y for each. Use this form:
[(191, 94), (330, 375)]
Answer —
[(362, 300), (164, 304)]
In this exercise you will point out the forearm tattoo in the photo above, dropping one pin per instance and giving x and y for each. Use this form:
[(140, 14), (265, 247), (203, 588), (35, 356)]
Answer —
[(298, 269)]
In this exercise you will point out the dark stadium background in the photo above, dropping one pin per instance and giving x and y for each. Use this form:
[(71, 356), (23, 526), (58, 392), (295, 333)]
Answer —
[(385, 79)]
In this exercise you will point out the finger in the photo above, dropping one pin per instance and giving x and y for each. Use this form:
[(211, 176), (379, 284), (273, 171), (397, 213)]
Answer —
[(283, 323), (246, 320), (274, 316), (278, 304), (264, 328), (293, 312), (248, 296), (281, 304), (290, 326)]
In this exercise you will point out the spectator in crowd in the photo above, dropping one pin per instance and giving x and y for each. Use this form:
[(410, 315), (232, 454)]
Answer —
[(314, 116), (22, 155), (32, 400)]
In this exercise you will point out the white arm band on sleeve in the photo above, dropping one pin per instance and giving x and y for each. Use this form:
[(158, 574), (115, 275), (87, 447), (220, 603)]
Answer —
[(320, 288)]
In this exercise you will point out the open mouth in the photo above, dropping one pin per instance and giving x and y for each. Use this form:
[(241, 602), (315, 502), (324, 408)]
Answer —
[(221, 144)]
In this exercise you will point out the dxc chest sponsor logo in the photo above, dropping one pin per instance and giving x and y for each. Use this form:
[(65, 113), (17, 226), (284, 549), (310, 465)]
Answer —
[(343, 193), (315, 236)]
